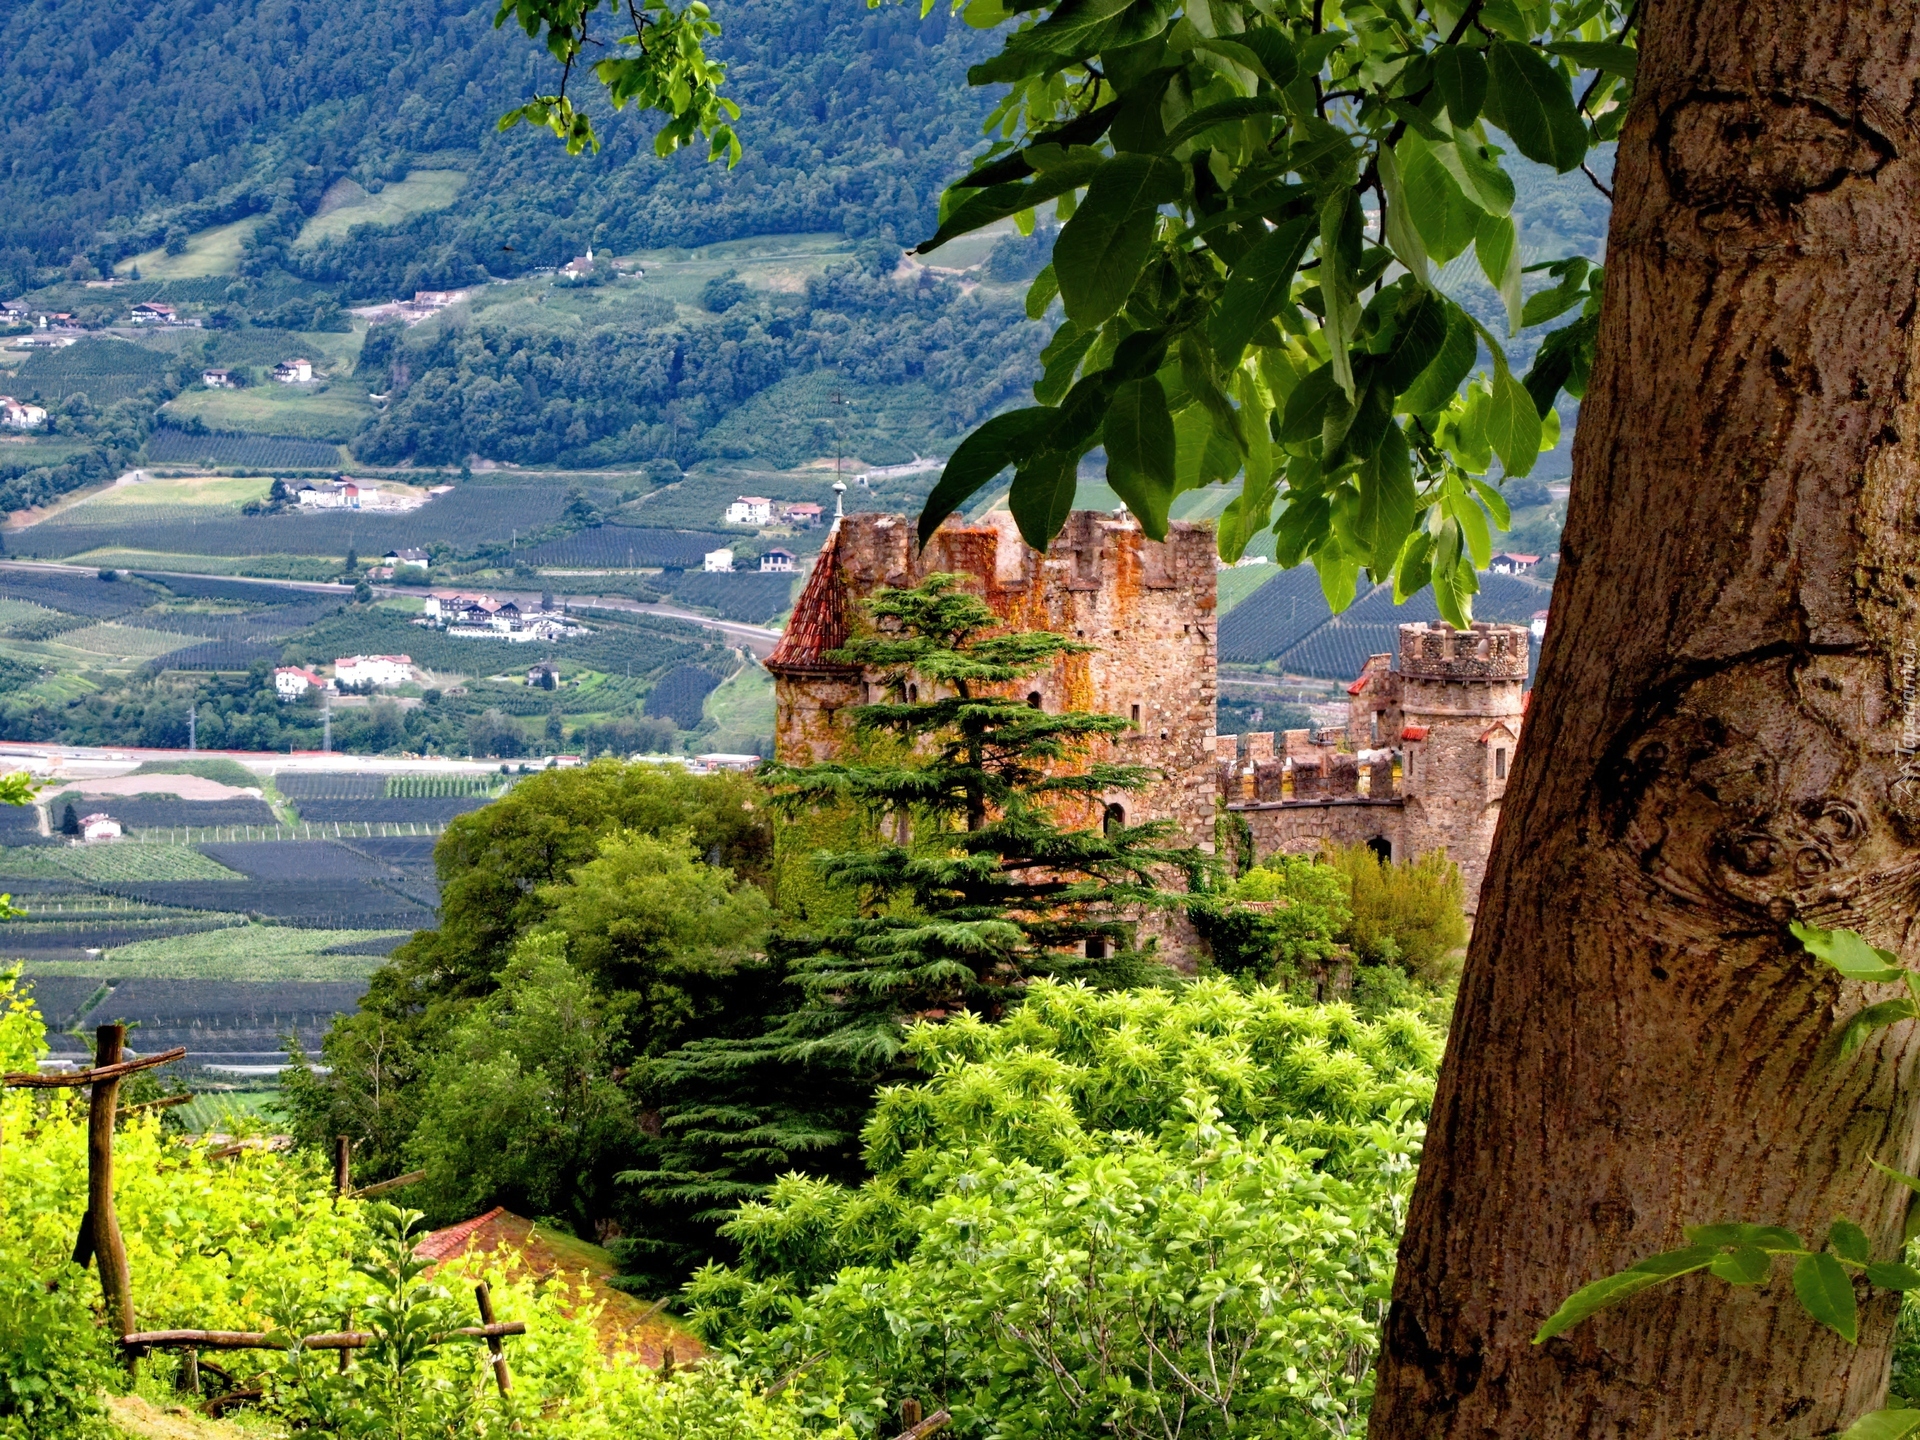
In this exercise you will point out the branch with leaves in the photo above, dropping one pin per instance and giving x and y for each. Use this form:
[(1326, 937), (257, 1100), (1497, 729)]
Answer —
[(1256, 198)]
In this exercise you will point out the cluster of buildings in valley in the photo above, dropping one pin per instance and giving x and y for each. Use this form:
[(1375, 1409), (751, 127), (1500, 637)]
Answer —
[(351, 674), (777, 561), (759, 510), (481, 617)]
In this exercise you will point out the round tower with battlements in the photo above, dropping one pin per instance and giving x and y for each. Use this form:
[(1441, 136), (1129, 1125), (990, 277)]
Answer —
[(1461, 698)]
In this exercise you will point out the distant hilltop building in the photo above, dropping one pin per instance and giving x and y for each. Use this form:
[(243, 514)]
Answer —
[(215, 378), (777, 561), (1422, 764), (803, 516), (417, 559), (579, 265), (293, 372), (750, 510), (99, 826), (718, 562), (151, 312)]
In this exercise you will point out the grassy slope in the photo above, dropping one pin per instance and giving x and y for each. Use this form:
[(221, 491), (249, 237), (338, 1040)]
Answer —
[(422, 191), (209, 252)]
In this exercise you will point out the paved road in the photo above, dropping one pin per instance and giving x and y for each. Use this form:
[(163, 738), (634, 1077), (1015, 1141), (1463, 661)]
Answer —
[(756, 638)]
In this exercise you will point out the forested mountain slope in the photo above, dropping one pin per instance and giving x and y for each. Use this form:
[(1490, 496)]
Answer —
[(120, 123)]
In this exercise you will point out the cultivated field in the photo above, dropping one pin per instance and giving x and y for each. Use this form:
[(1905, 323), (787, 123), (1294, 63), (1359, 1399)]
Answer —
[(330, 413), (209, 252)]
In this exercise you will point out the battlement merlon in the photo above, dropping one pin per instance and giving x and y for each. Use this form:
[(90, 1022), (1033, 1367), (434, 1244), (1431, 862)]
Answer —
[(1488, 652)]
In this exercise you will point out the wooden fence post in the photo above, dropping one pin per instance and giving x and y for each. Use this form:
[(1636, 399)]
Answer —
[(342, 1166), (108, 1248), (500, 1376)]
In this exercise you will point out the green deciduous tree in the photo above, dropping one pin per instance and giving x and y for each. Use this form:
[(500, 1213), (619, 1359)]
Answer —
[(965, 882)]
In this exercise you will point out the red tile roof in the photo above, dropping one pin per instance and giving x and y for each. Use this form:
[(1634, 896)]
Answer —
[(819, 621), (1357, 686), (1415, 732)]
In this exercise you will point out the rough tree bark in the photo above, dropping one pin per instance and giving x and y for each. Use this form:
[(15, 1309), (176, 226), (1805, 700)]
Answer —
[(1721, 740)]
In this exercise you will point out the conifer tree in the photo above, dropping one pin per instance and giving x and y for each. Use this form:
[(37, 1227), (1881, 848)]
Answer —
[(968, 884)]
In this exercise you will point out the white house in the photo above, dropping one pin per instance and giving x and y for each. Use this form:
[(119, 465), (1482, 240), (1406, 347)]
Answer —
[(381, 671), (719, 562), (416, 558), (290, 682), (1539, 625), (293, 372), (435, 299), (101, 826), (18, 415), (776, 560), (579, 265), (151, 312), (341, 495), (216, 379), (1508, 563), (750, 510)]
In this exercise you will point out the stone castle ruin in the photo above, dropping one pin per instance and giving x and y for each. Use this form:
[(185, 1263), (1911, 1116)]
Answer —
[(1421, 765)]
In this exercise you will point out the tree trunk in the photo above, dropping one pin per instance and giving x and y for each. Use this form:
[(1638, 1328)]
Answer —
[(1722, 740)]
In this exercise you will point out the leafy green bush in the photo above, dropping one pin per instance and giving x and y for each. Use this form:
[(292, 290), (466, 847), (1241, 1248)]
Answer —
[(1412, 914), (1105, 1213), (1279, 919)]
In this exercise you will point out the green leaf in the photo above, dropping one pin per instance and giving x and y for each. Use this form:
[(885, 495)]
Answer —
[(1513, 425), (1060, 360), (1436, 385), (997, 202), (1460, 75), (1306, 411), (1341, 237), (1002, 441), (1100, 251), (1848, 953), (1258, 287), (1074, 28), (1497, 246), (1042, 496), (1040, 294), (1419, 335), (1473, 523), (1478, 174), (1562, 362), (1892, 1275), (1910, 1181), (1140, 444), (1224, 113), (1339, 575), (1621, 60), (1530, 100), (1403, 236), (1825, 1291), (1745, 1266), (1441, 212), (1772, 1238), (1849, 1242), (1591, 1299), (1495, 502), (1276, 52), (1883, 1425), (1859, 1026), (1387, 498)]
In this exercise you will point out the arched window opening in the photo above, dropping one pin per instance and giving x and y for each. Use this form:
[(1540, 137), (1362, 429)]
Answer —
[(1033, 700), (1381, 847), (1113, 818), (913, 694)]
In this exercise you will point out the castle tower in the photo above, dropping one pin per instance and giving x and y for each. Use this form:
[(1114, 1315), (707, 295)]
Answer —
[(1461, 696), (1147, 607)]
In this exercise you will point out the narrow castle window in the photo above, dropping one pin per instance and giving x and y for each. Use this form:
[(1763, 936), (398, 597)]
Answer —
[(1499, 764), (1096, 947), (1033, 700), (913, 693), (1113, 819), (1136, 712)]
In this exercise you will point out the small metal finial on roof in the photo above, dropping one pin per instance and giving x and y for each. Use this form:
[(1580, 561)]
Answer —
[(839, 489)]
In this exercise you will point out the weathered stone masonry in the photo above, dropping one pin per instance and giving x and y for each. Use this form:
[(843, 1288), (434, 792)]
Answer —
[(1445, 713)]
